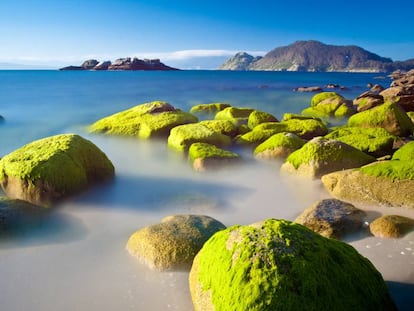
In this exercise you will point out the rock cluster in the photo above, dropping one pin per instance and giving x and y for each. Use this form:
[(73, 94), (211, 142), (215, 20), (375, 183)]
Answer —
[(126, 63)]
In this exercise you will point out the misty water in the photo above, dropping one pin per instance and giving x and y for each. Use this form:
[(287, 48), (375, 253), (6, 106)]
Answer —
[(75, 258)]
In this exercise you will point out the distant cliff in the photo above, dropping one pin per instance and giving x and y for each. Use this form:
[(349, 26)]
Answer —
[(240, 61), (126, 63), (318, 57)]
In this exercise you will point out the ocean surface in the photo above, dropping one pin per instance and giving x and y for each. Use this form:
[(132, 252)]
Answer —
[(75, 259)]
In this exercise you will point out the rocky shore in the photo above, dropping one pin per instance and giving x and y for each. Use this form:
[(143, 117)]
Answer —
[(126, 63), (270, 265)]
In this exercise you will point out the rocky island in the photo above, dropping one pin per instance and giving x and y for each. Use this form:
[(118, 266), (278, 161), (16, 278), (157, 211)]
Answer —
[(126, 63), (315, 56)]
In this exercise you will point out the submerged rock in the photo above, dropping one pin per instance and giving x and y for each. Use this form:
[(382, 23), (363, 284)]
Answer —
[(149, 120), (389, 116), (332, 218), (280, 265), (53, 168), (208, 157), (391, 226), (321, 156), (181, 137), (173, 243)]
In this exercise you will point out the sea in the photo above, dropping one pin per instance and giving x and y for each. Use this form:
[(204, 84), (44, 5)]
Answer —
[(75, 259)]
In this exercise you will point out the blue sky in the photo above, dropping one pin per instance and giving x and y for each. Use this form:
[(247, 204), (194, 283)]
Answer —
[(59, 32)]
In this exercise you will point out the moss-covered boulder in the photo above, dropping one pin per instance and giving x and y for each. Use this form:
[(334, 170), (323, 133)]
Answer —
[(149, 120), (329, 105), (17, 215), (280, 265), (374, 141), (183, 136), (211, 108), (257, 117), (391, 226), (367, 101), (235, 114), (278, 146), (225, 127), (289, 116), (411, 116), (388, 115), (53, 168), (320, 156), (332, 218), (387, 183), (304, 128), (205, 157), (173, 243)]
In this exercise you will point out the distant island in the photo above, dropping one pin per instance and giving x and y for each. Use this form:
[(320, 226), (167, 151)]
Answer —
[(315, 56), (126, 63)]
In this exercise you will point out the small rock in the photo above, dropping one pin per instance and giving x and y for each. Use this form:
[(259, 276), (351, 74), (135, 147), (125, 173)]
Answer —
[(391, 226)]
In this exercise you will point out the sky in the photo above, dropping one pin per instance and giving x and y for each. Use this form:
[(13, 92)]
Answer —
[(194, 34)]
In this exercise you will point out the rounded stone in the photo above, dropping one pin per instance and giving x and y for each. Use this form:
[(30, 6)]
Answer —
[(391, 226)]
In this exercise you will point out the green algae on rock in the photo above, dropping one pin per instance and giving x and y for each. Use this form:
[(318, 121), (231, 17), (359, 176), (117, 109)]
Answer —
[(53, 168), (329, 105), (173, 243), (153, 119), (182, 136), (389, 116), (332, 218), (281, 265), (320, 156), (211, 108), (225, 127), (278, 146), (236, 115), (391, 226), (374, 141), (206, 157), (257, 117)]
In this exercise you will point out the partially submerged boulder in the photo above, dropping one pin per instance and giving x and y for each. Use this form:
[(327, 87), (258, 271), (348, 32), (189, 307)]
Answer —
[(387, 183), (329, 105), (183, 136), (211, 108), (235, 114), (278, 146), (374, 141), (320, 156), (149, 120), (257, 117), (53, 168), (389, 116), (173, 243), (332, 218), (208, 157), (391, 226), (280, 265), (225, 127)]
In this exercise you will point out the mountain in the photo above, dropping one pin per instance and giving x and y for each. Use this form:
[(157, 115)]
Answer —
[(319, 57), (240, 61)]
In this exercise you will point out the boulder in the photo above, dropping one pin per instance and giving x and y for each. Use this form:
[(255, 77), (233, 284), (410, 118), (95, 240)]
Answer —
[(149, 120), (403, 95), (281, 265), (278, 146), (388, 115), (391, 226), (208, 157), (329, 105), (386, 183), (367, 101), (225, 127), (321, 156), (257, 117), (183, 136), (306, 128), (211, 108), (236, 115), (332, 218), (377, 142), (53, 168), (89, 64), (173, 243)]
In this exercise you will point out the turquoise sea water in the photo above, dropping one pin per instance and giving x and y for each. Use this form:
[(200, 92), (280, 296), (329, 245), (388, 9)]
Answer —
[(76, 259)]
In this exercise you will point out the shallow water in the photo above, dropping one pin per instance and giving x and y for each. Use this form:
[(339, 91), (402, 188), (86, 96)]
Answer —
[(75, 259)]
